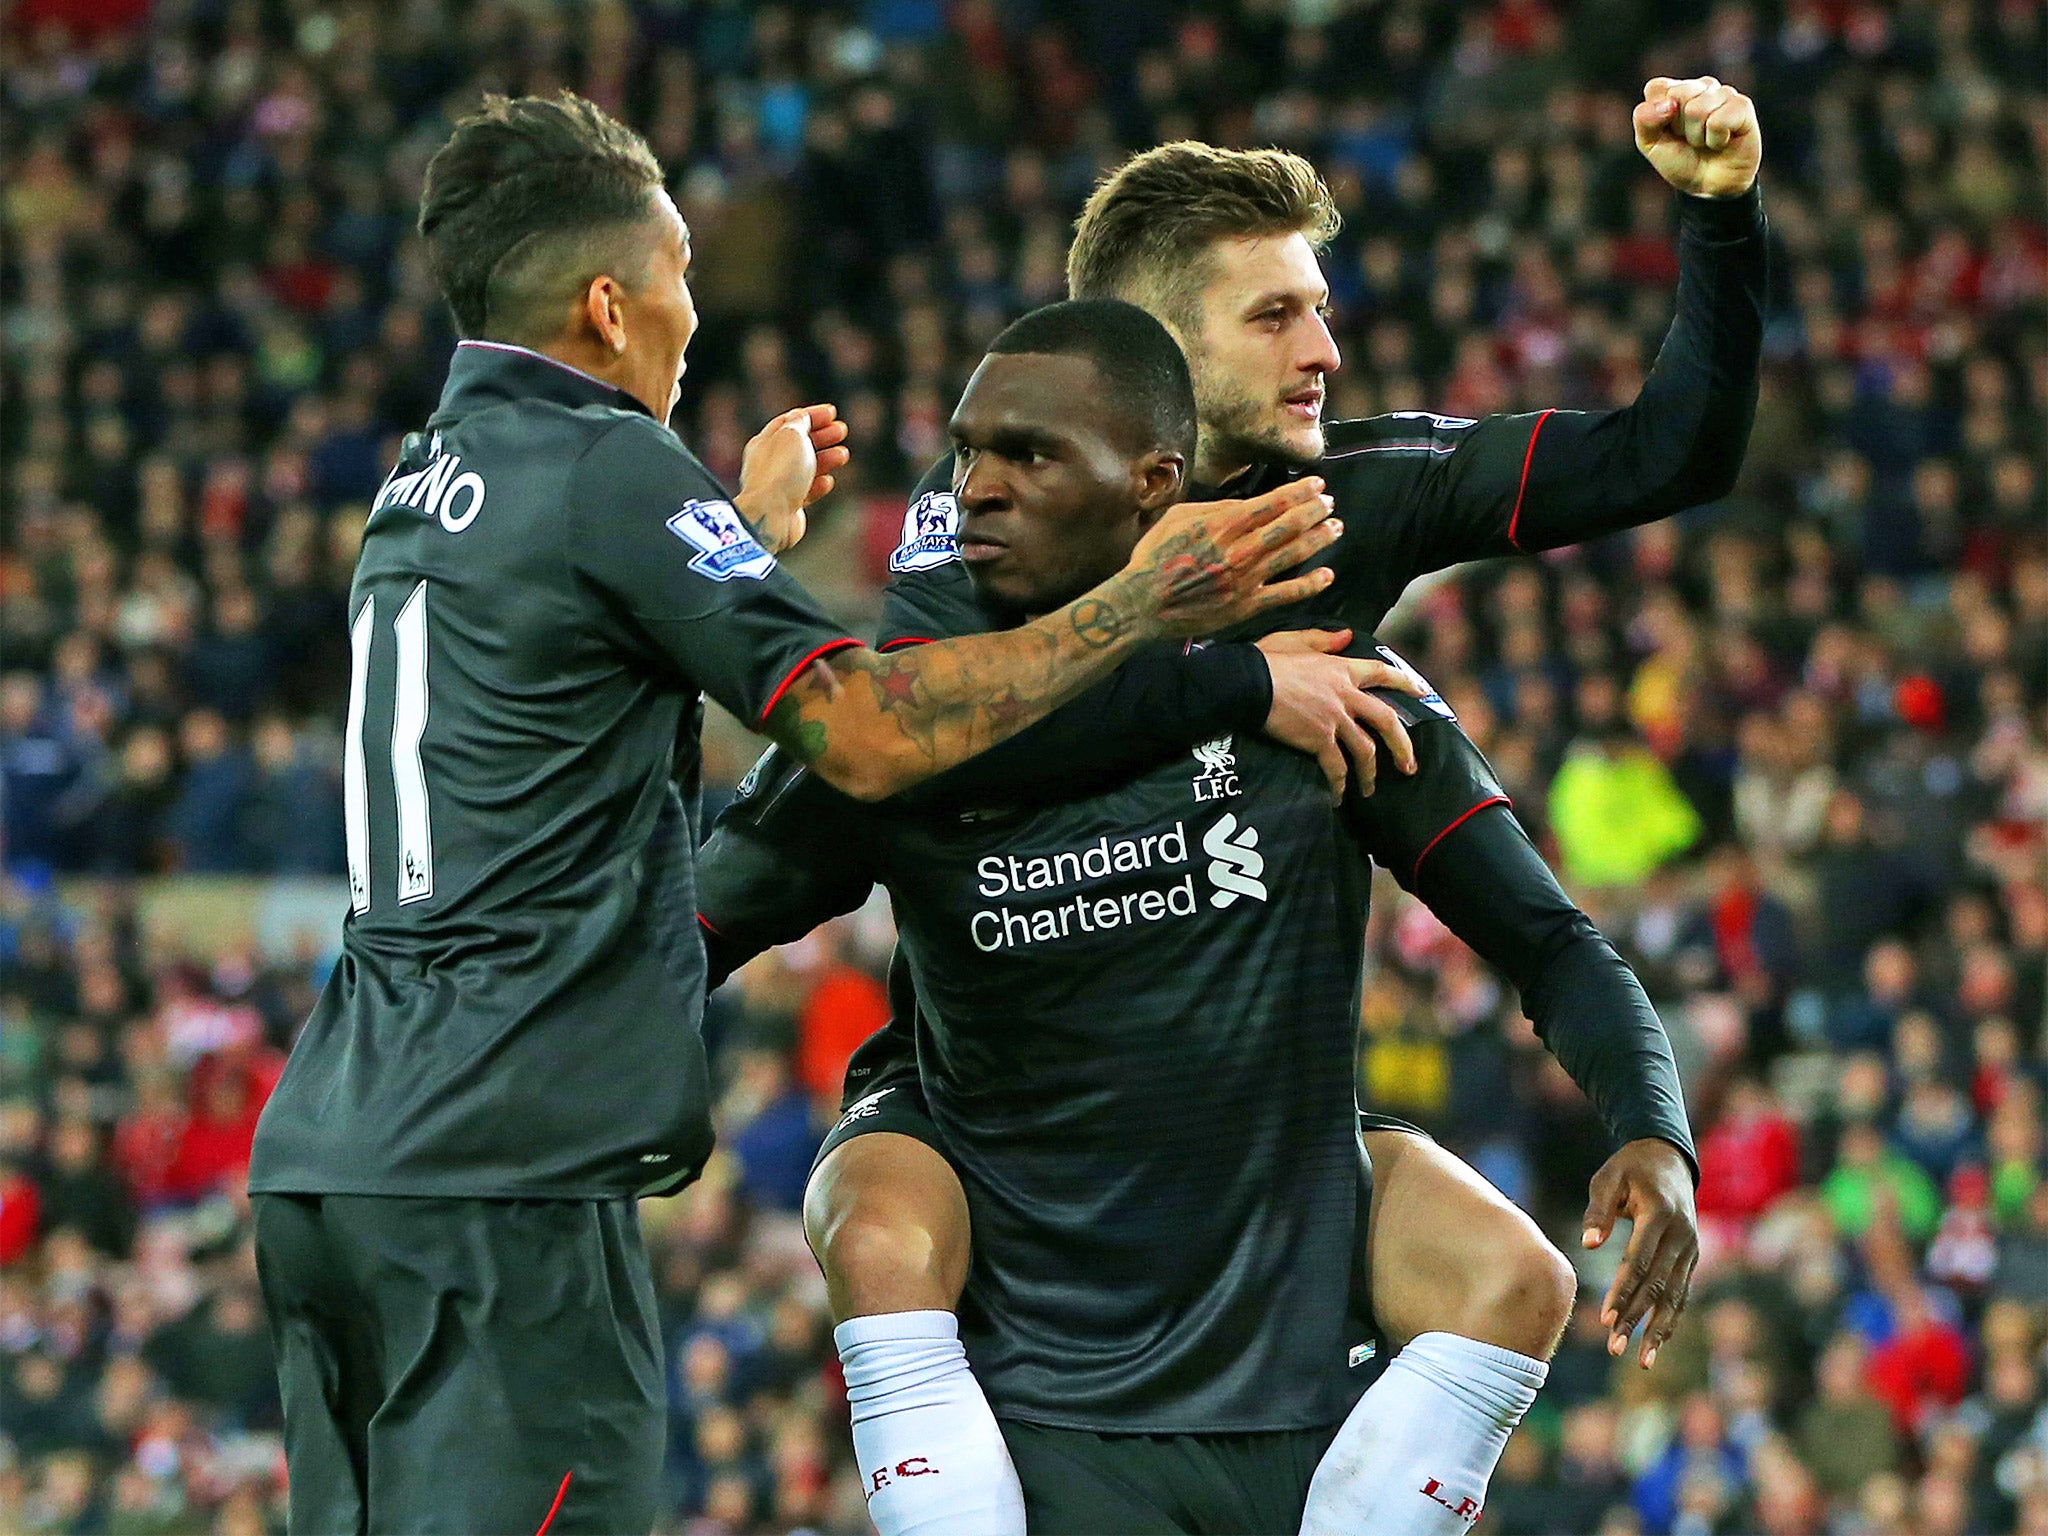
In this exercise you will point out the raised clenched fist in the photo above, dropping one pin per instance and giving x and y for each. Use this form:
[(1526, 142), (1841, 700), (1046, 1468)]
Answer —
[(1701, 135)]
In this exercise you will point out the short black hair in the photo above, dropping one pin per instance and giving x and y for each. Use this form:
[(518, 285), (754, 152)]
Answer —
[(529, 194), (1136, 356)]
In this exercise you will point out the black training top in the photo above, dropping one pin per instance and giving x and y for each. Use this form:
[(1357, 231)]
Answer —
[(547, 581)]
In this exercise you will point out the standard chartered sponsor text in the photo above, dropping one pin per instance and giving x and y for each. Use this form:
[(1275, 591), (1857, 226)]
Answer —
[(1009, 927)]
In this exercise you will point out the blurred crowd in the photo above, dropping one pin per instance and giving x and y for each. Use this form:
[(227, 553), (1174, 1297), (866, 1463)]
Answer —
[(1790, 750)]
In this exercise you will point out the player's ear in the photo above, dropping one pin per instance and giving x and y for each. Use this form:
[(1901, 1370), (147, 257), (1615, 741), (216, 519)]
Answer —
[(604, 308), (1158, 479)]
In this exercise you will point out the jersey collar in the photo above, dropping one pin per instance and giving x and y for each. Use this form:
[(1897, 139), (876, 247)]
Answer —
[(1255, 479), (490, 372)]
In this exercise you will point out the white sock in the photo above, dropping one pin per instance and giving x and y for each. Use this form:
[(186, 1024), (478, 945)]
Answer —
[(1415, 1455), (932, 1462)]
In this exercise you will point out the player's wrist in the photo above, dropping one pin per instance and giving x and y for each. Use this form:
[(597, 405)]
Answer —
[(1126, 610), (770, 517), (1667, 1147), (1731, 216), (1239, 677)]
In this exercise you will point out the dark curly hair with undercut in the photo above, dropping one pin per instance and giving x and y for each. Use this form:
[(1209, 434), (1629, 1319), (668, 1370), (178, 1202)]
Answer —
[(531, 197)]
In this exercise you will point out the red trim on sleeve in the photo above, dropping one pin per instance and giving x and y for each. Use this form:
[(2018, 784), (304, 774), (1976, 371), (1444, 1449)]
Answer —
[(708, 926), (1522, 489), (556, 1507), (781, 688), (1416, 872), (905, 640)]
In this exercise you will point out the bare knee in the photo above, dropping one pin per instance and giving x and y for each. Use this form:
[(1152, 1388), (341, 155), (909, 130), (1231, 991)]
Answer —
[(887, 1219), (1450, 1254), (1529, 1299)]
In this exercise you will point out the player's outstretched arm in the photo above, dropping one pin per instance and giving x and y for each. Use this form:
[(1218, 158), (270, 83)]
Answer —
[(874, 724), (1681, 442), (1448, 836), (1546, 479), (1161, 702), (1293, 686)]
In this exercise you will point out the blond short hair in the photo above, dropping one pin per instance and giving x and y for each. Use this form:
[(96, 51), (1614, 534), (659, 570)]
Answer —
[(1145, 234)]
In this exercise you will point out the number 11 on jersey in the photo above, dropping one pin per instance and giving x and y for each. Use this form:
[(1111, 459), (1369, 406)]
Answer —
[(415, 841)]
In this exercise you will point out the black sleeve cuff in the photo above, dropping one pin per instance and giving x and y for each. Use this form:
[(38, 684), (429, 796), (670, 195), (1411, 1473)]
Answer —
[(1234, 682), (1719, 220)]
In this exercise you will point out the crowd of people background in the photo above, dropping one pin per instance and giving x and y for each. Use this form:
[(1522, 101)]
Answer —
[(1791, 750)]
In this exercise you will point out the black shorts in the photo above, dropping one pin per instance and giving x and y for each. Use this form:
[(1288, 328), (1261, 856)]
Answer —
[(884, 1093), (1080, 1483), (464, 1365)]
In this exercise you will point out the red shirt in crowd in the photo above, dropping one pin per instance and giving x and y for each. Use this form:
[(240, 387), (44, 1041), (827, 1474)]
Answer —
[(844, 1008), (229, 1090), (1925, 1365), (21, 1210), (1747, 1160)]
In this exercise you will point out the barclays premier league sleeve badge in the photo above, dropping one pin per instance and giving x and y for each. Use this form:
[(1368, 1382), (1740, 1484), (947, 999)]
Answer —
[(726, 547), (930, 533), (1431, 700)]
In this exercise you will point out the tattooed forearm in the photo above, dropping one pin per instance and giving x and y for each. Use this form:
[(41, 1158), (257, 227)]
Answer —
[(805, 740), (1099, 623), (898, 717), (919, 711)]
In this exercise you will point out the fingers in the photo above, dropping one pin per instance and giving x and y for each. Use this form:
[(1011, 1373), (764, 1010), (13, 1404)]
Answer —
[(1663, 1319), (1378, 674), (1639, 1284), (1621, 1290), (1274, 506), (1703, 112), (1693, 115), (1302, 542), (1603, 1208), (1330, 758), (1364, 755), (1729, 121), (1659, 1295), (1279, 594), (1301, 641), (829, 435), (1388, 725)]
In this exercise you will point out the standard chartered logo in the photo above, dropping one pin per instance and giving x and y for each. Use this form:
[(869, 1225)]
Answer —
[(1234, 868), (1235, 862)]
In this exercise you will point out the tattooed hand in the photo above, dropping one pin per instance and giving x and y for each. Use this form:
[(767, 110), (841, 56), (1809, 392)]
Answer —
[(1205, 566)]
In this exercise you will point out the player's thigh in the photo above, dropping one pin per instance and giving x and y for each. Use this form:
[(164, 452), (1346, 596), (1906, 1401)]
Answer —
[(884, 1210), (523, 1367), (1256, 1483), (326, 1385), (1077, 1483), (1450, 1253)]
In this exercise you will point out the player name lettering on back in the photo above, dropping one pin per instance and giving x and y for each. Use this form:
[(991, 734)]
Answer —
[(441, 489)]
